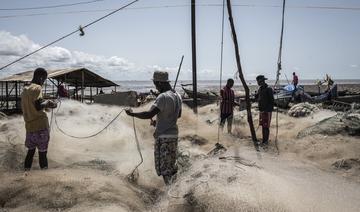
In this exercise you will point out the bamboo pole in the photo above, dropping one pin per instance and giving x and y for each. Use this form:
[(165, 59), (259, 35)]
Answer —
[(193, 41), (241, 75)]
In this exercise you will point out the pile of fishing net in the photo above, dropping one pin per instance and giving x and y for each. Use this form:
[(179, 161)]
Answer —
[(342, 123), (302, 110), (352, 123)]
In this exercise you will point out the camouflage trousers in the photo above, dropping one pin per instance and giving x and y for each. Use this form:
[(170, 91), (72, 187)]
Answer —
[(165, 151)]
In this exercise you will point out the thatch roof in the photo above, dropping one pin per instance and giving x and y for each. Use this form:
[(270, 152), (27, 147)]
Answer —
[(71, 76)]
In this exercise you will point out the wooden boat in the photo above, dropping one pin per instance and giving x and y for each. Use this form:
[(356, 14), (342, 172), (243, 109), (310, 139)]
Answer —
[(210, 96), (126, 98)]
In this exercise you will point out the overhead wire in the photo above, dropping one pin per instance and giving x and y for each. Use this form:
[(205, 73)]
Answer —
[(50, 6), (180, 6), (221, 64), (67, 35)]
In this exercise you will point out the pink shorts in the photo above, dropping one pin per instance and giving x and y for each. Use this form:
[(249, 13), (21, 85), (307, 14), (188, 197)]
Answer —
[(39, 139)]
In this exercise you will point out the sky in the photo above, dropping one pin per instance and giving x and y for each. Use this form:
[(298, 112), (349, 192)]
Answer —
[(154, 34)]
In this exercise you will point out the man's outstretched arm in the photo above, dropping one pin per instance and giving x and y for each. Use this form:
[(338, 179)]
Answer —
[(144, 115)]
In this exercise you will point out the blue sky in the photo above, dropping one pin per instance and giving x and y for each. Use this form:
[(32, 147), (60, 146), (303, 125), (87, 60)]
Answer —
[(132, 43)]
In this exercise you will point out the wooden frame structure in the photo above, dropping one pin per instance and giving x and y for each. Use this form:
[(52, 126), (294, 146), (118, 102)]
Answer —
[(74, 79)]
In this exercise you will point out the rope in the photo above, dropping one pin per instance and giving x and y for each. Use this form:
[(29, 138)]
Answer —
[(132, 175), (221, 64), (67, 35), (82, 137), (281, 42), (278, 75), (138, 148)]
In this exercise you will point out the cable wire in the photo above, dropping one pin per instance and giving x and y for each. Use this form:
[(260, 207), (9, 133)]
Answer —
[(67, 35), (221, 63), (182, 6), (49, 7), (278, 74)]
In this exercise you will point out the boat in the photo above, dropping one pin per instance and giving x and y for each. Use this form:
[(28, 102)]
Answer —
[(125, 98), (208, 95)]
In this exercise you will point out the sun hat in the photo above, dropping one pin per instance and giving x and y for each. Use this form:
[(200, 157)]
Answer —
[(161, 76)]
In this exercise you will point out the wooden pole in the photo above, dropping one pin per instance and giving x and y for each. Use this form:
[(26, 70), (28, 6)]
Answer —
[(91, 94), (45, 86), (7, 95), (193, 41), (16, 95), (82, 86), (238, 63), (177, 75), (2, 91)]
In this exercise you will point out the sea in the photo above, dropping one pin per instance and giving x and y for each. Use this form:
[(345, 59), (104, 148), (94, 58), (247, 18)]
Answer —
[(203, 85)]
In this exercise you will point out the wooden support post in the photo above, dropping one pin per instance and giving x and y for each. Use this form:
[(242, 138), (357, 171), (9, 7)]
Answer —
[(91, 94), (7, 95), (45, 88), (16, 96), (238, 63), (97, 91), (57, 91), (53, 88), (76, 92), (193, 41), (82, 86), (2, 91)]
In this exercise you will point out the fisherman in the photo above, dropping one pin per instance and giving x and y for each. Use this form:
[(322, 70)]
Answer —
[(62, 92), (227, 105), (265, 96), (36, 121), (167, 107), (295, 80)]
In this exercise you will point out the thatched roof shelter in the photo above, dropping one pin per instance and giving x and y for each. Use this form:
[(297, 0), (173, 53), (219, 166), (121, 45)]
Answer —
[(70, 76)]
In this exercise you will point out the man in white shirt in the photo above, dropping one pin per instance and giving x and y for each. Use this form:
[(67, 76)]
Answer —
[(167, 108)]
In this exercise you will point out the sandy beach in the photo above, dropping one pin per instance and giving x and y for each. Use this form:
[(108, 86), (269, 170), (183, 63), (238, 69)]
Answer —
[(91, 174)]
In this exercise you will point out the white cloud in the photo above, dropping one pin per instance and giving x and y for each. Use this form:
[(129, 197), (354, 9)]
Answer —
[(12, 47), (354, 66), (115, 68)]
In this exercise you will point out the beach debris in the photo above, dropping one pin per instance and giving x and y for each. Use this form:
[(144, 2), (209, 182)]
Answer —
[(195, 139), (241, 160), (329, 126), (355, 107), (347, 163), (97, 164), (3, 115), (302, 110), (133, 176), (342, 123), (352, 123), (183, 160), (218, 149), (12, 159)]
